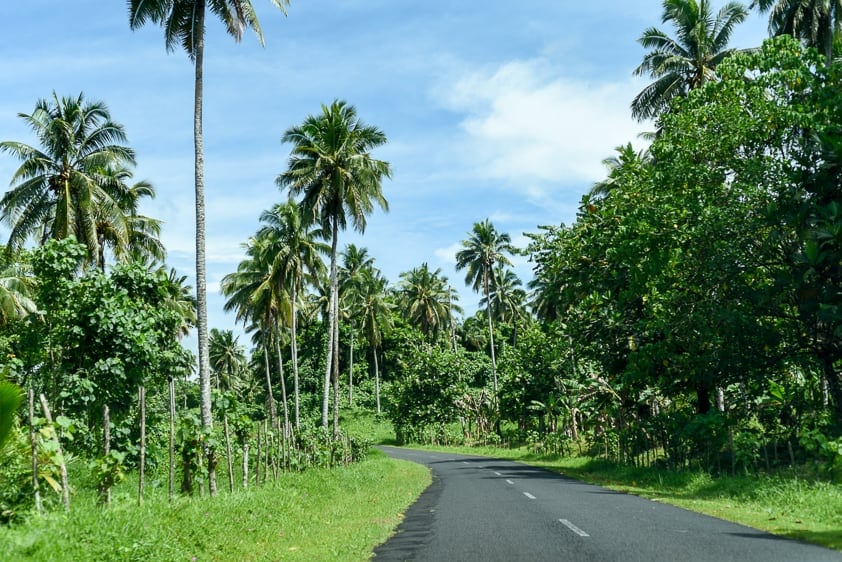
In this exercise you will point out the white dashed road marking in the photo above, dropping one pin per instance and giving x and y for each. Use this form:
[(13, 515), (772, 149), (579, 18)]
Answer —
[(528, 495), (573, 528)]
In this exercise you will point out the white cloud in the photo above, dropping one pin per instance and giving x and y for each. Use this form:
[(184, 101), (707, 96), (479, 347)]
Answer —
[(448, 254), (527, 124)]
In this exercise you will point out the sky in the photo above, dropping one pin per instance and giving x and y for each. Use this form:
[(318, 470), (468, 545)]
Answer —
[(492, 109)]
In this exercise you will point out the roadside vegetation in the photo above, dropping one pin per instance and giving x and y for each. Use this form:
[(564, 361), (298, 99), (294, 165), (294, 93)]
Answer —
[(681, 338)]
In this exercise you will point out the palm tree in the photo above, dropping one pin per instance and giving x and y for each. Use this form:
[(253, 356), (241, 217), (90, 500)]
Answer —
[(184, 24), (507, 299), (424, 299), (626, 160), (331, 167), (375, 313), (62, 188), (816, 22), (297, 263), (227, 358), (253, 297), (685, 62), (483, 248), (355, 264)]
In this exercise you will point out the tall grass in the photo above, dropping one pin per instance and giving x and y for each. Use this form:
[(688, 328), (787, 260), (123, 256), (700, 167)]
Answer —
[(320, 514)]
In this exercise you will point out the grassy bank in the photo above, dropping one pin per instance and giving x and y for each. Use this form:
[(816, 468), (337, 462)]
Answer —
[(338, 514), (786, 504)]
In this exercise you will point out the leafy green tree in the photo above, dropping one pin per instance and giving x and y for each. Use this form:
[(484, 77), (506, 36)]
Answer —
[(332, 168), (10, 399), (484, 248), (690, 59), (816, 22), (16, 289), (62, 188), (185, 26)]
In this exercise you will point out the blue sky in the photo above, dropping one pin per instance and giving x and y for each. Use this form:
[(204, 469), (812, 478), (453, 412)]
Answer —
[(493, 110)]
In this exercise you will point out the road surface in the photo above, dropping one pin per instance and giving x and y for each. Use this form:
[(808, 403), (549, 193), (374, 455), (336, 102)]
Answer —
[(485, 510)]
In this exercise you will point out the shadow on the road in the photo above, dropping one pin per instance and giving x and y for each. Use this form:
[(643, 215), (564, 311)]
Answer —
[(759, 535)]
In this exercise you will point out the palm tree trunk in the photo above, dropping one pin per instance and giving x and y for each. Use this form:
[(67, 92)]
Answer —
[(271, 397), (376, 381), (490, 333), (283, 382), (294, 351), (331, 324), (201, 283), (172, 438), (351, 371), (336, 363), (141, 391)]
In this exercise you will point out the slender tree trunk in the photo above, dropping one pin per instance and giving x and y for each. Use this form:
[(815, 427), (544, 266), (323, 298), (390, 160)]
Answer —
[(490, 334), (351, 370), (104, 487), (336, 365), (172, 438), (294, 351), (283, 382), (259, 457), (201, 277), (246, 462), (33, 444), (331, 324), (141, 391), (65, 487), (273, 412), (228, 455), (376, 380)]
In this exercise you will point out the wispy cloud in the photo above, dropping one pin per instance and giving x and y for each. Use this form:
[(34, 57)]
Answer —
[(529, 125)]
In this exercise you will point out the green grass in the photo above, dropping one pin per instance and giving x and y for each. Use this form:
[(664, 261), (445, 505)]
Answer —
[(320, 514), (785, 504)]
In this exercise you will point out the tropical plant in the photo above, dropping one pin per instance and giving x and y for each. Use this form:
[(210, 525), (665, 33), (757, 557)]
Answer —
[(184, 25), (484, 248), (227, 358), (332, 169), (297, 263), (815, 22), (375, 313), (63, 187), (423, 300), (687, 61)]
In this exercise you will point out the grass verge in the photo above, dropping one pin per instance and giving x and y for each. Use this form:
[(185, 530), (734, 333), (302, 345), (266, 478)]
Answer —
[(339, 514), (785, 504)]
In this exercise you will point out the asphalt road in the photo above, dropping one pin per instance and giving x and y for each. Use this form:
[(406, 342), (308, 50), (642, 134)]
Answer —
[(485, 510)]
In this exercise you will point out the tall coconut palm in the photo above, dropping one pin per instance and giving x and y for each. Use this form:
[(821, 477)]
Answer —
[(297, 262), (425, 299), (183, 22), (332, 169), (816, 22), (227, 358), (251, 295), (62, 187), (375, 313), (685, 62), (142, 239), (484, 248), (507, 299), (356, 263)]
